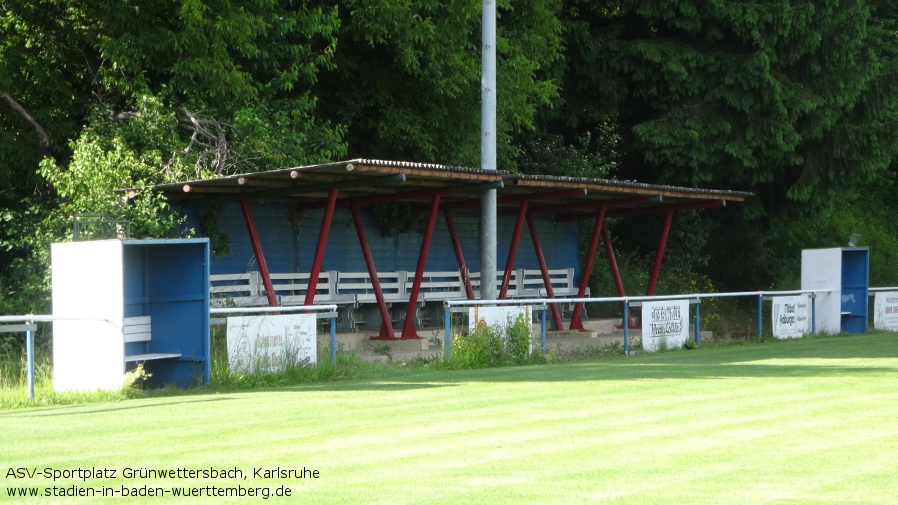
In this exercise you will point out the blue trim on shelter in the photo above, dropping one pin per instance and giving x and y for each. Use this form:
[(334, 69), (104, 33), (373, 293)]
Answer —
[(168, 280)]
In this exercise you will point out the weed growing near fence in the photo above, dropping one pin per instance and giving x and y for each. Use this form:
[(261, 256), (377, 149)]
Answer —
[(294, 371), (490, 346), (348, 366), (479, 348)]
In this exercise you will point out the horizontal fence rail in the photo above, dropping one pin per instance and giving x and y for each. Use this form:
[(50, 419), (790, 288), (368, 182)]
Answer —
[(27, 325), (542, 303)]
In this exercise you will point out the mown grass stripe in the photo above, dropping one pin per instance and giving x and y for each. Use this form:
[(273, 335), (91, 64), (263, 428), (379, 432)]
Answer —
[(809, 421)]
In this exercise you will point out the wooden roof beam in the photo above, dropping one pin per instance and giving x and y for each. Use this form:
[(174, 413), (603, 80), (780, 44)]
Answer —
[(326, 186), (644, 211), (208, 188), (257, 182)]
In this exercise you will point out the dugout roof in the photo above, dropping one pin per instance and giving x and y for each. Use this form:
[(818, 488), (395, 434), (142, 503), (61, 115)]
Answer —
[(369, 181)]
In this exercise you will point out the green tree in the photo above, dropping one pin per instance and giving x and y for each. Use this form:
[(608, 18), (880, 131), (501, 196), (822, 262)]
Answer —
[(122, 94), (232, 65), (791, 100), (406, 79)]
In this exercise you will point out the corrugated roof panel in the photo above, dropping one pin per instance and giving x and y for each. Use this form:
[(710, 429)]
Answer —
[(357, 179)]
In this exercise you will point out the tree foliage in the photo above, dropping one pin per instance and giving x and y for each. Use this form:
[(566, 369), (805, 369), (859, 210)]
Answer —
[(97, 96), (793, 100), (789, 99), (131, 94), (247, 63), (406, 79)]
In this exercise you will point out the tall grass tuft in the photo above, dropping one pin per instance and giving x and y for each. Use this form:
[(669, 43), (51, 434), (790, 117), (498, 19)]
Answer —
[(348, 366), (14, 386)]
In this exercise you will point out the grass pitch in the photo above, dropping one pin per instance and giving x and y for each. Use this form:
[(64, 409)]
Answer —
[(808, 421)]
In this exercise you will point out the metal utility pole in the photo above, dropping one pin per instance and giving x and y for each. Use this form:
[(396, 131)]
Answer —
[(488, 153)]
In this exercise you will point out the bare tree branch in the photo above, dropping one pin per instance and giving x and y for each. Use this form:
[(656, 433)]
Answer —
[(43, 140), (208, 139)]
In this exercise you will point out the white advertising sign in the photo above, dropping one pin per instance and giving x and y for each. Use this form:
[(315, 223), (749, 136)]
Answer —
[(885, 310), (664, 324), (270, 343), (790, 316)]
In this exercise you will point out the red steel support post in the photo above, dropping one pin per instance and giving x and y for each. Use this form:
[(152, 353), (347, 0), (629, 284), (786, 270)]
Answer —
[(659, 254), (612, 262), (319, 248), (386, 326), (408, 327), (576, 319), (512, 251), (257, 251), (459, 256), (615, 272), (547, 281)]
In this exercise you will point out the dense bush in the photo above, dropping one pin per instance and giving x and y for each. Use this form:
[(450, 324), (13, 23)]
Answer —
[(491, 346)]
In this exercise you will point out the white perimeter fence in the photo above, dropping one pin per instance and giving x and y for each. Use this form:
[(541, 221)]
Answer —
[(26, 324)]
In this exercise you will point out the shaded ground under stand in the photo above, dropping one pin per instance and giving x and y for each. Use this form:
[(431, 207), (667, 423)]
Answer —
[(600, 334)]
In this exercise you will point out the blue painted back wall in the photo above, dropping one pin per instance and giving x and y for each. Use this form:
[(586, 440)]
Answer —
[(289, 249)]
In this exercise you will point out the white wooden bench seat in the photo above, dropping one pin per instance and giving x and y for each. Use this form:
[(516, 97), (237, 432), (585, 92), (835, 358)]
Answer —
[(291, 288), (355, 291), (139, 329), (247, 289), (513, 284), (240, 290), (437, 286), (562, 281)]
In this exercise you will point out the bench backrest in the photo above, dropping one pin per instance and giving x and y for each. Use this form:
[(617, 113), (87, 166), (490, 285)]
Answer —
[(513, 284), (243, 290), (359, 285), (562, 281), (438, 285), (292, 287), (247, 289), (137, 329), (436, 281)]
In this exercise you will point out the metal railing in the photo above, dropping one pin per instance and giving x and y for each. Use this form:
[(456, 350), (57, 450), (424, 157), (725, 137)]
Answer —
[(26, 323), (28, 326), (541, 304), (119, 229)]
